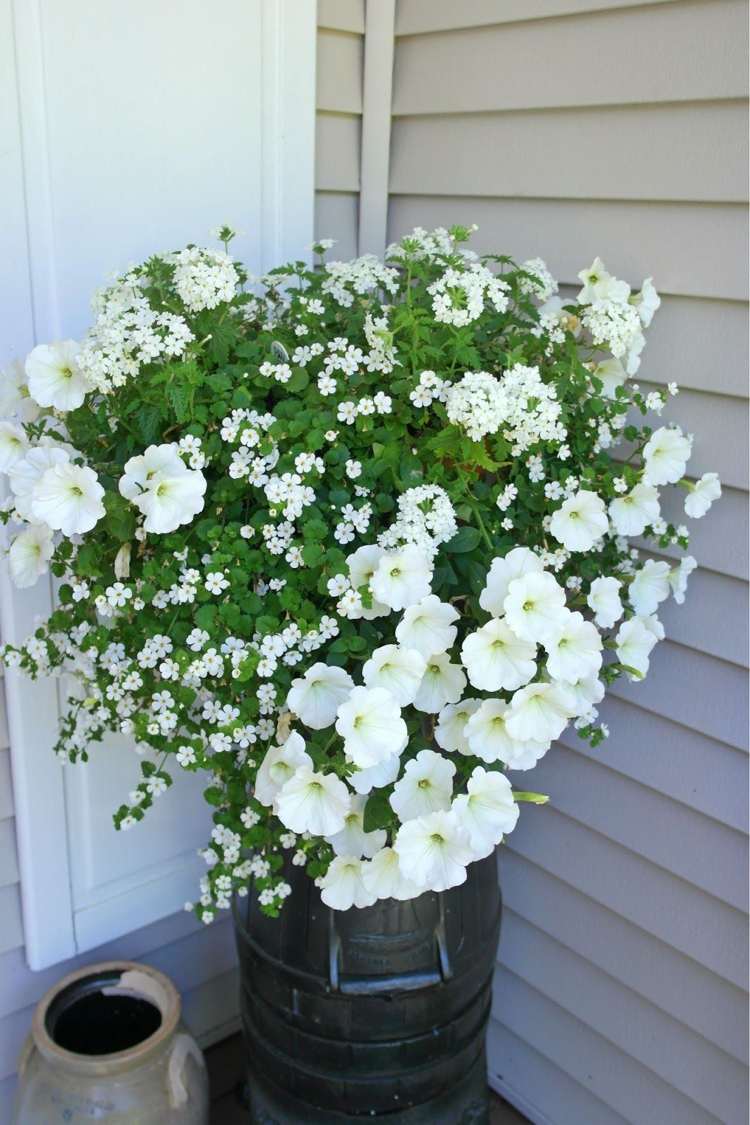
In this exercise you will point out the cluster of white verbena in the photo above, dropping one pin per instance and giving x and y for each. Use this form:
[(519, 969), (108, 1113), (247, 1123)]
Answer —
[(355, 545)]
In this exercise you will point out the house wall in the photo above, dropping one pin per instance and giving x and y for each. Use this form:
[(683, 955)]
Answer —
[(569, 128)]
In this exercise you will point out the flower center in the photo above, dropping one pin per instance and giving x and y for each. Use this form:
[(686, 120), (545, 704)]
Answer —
[(76, 490), (424, 783), (436, 838)]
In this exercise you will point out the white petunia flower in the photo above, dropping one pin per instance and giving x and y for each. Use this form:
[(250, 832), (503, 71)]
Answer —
[(665, 455), (398, 670), (313, 802), (279, 765), (489, 738), (317, 696), (612, 374), (362, 565), (515, 564), (162, 487), (495, 658), (487, 810), (68, 498), (604, 601), (598, 285), (450, 732), (434, 851), (678, 577), (375, 777), (442, 683), (371, 726), (535, 606), (55, 379), (646, 302), (638, 509), (649, 587), (587, 692), (702, 495), (427, 626), (352, 839), (580, 521), (402, 577), (384, 878), (26, 473), (635, 641), (575, 651), (425, 787), (540, 712), (29, 555), (14, 445), (15, 400), (342, 886)]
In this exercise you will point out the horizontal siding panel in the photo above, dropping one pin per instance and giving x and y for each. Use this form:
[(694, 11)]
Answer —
[(635, 240), (696, 924), (212, 1011), (698, 691), (678, 985), (713, 600), (339, 72), (671, 759), (416, 16), (337, 216), (690, 152), (662, 1045), (536, 1086), (719, 541), (337, 152), (691, 846), (342, 15), (619, 1081), (8, 853), (659, 53), (11, 924)]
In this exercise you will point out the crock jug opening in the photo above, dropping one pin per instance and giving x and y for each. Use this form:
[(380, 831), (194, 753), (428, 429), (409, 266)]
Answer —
[(96, 1015)]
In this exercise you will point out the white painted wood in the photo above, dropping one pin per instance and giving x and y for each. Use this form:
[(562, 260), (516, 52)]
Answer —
[(376, 125)]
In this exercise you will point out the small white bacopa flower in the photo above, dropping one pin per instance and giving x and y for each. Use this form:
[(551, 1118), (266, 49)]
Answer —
[(517, 563), (665, 455), (29, 555), (702, 495), (54, 377), (580, 521), (575, 651), (352, 839), (313, 802), (540, 712), (317, 696), (634, 641), (604, 601), (434, 851), (442, 683), (343, 886), (13, 445), (489, 738), (487, 810), (428, 626), (450, 731), (398, 670), (384, 878), (279, 765), (402, 578), (496, 659), (68, 498), (638, 509), (371, 726), (649, 587), (425, 787), (535, 606)]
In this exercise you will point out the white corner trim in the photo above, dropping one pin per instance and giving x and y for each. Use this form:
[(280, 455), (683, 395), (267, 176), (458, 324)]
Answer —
[(380, 18)]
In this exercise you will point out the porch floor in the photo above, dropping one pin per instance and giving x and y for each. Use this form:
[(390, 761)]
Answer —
[(225, 1064)]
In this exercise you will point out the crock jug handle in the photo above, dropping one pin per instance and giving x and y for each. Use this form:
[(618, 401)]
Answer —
[(183, 1046)]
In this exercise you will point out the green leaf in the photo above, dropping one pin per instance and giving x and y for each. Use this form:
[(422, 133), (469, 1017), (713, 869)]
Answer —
[(465, 539), (378, 812)]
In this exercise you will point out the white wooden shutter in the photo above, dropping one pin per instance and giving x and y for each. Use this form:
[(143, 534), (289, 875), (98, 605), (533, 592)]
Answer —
[(137, 127)]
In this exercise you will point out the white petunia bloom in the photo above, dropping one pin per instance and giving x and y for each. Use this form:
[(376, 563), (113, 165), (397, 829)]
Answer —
[(362, 564), (29, 555), (678, 577), (55, 379), (489, 738), (14, 445), (162, 487), (371, 726), (612, 374), (586, 692), (451, 725), (317, 696), (487, 810), (442, 683), (140, 472), (384, 878), (665, 455), (604, 601), (402, 577), (68, 498), (434, 850), (398, 670), (313, 802), (702, 495), (425, 787), (635, 641), (427, 626), (502, 572), (375, 777), (26, 473), (535, 606), (638, 509), (342, 886), (279, 765), (649, 587), (495, 658), (575, 651), (352, 839), (646, 302), (598, 285), (580, 521), (540, 712), (15, 400)]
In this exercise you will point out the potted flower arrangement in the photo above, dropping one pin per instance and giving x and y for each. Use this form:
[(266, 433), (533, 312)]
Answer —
[(355, 541)]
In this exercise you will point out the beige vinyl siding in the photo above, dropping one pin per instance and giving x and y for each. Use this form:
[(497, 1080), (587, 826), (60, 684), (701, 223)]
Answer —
[(340, 64), (566, 129)]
